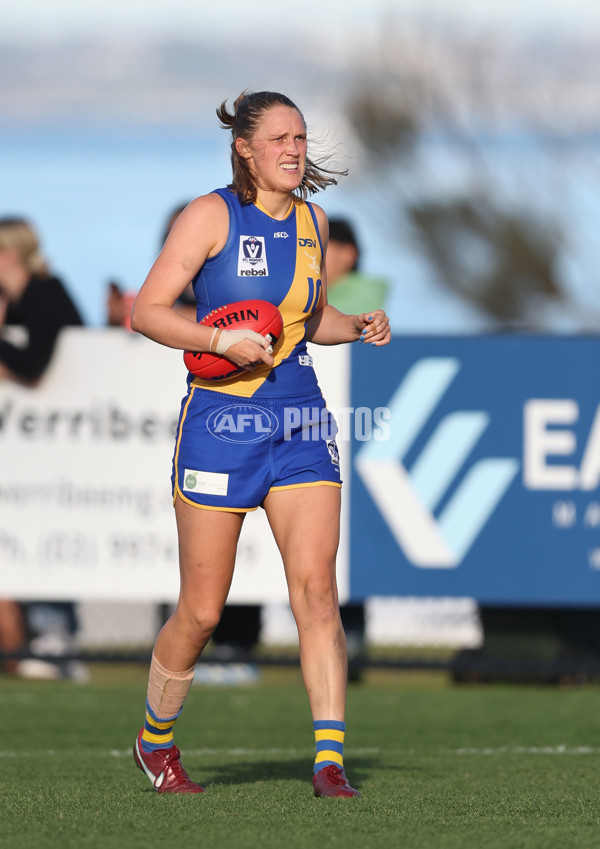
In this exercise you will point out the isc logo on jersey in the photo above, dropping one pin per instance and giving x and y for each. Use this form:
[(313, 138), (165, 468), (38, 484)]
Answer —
[(252, 257)]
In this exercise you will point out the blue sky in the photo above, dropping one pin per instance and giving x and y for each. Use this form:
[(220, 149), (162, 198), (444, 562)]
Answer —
[(41, 18)]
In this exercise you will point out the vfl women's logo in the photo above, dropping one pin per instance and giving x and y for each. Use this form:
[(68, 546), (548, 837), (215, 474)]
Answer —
[(252, 257)]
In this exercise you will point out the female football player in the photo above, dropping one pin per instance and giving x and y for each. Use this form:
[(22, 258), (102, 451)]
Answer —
[(257, 238)]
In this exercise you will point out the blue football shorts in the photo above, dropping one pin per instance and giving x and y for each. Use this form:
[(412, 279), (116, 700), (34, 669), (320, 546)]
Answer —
[(231, 451)]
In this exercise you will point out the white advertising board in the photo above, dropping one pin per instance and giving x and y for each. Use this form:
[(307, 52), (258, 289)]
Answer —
[(85, 465)]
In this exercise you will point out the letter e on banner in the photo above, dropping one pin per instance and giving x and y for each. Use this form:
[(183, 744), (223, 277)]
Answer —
[(542, 439)]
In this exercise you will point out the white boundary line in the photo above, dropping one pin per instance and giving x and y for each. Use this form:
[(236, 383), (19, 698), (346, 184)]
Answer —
[(502, 750), (529, 750)]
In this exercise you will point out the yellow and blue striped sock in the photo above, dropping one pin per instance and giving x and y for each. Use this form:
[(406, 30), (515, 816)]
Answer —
[(329, 737), (158, 731)]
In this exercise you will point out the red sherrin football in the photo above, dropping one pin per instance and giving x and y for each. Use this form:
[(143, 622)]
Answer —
[(260, 316)]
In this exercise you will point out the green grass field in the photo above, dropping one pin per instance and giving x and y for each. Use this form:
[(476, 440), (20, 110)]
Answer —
[(511, 767)]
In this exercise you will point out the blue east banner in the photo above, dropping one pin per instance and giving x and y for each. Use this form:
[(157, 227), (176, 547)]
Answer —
[(485, 484)]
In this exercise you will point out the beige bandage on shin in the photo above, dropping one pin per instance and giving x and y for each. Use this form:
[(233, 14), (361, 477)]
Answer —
[(167, 690)]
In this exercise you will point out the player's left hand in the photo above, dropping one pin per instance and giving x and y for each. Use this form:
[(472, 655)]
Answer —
[(373, 327)]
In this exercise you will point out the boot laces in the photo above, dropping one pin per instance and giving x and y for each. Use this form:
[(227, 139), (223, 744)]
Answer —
[(173, 762), (336, 774)]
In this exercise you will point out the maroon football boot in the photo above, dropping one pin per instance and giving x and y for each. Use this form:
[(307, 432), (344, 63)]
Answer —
[(164, 769), (332, 781)]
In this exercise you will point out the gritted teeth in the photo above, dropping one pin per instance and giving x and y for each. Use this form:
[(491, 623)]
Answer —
[(289, 166)]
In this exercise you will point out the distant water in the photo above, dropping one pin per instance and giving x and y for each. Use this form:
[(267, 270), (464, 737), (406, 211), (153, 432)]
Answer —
[(100, 200)]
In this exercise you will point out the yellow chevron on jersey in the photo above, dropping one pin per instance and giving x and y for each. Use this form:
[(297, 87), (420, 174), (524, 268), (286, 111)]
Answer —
[(290, 278)]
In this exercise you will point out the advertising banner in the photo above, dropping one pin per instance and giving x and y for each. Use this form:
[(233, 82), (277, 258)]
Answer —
[(482, 480), (471, 468)]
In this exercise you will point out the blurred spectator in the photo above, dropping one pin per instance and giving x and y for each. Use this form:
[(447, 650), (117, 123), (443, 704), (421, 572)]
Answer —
[(351, 292), (32, 300), (34, 308), (12, 632), (348, 289), (118, 306)]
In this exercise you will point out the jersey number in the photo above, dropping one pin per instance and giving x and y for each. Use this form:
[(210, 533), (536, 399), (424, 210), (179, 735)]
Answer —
[(314, 293)]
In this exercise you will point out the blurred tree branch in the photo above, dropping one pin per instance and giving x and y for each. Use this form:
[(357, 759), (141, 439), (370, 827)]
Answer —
[(502, 260), (416, 94)]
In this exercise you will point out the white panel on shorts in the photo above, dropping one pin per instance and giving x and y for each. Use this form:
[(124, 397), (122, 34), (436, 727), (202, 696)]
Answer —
[(210, 483)]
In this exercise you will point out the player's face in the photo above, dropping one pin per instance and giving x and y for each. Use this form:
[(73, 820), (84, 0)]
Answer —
[(277, 151)]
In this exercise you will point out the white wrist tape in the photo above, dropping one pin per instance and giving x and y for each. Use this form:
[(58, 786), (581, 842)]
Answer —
[(212, 339), (230, 337)]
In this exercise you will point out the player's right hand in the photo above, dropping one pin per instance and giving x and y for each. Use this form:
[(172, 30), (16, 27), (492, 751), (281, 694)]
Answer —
[(246, 348)]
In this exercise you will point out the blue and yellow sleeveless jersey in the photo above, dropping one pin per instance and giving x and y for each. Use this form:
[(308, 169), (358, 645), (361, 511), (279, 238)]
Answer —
[(276, 261)]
